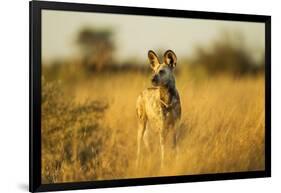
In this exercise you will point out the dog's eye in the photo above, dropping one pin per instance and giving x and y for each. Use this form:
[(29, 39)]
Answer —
[(161, 71)]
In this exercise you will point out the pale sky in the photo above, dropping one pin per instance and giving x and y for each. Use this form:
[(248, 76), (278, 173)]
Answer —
[(135, 35)]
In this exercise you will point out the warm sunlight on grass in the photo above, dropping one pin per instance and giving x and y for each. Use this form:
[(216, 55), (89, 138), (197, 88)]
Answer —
[(89, 128)]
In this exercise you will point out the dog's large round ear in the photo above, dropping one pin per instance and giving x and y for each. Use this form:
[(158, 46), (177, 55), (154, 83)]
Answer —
[(153, 59), (170, 59)]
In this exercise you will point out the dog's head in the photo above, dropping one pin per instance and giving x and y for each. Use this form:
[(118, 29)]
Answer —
[(162, 72)]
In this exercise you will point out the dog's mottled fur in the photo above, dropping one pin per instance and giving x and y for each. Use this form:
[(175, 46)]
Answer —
[(160, 104)]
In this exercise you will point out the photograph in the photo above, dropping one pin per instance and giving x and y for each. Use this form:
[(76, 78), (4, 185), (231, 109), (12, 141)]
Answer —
[(128, 96)]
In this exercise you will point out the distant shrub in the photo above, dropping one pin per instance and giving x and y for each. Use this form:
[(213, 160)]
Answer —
[(226, 55)]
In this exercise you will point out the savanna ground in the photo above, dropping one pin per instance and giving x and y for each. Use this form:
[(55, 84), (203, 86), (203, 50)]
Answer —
[(89, 127)]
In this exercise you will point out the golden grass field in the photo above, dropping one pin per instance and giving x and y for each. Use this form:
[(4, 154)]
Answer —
[(89, 127)]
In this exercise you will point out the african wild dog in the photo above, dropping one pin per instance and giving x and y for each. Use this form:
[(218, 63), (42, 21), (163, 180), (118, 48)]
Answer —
[(159, 105)]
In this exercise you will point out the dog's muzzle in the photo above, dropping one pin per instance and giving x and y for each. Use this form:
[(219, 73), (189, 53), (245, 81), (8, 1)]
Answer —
[(155, 80)]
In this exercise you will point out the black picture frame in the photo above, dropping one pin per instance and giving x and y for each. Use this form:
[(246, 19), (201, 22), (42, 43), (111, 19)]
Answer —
[(35, 8)]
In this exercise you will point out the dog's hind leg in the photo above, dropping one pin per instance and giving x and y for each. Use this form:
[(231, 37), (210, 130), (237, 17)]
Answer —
[(175, 146)]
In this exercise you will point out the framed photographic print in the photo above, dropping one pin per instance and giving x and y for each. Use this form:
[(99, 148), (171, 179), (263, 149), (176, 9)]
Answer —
[(125, 96)]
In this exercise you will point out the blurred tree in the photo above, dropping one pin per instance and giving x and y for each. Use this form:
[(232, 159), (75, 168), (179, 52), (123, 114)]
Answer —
[(97, 48)]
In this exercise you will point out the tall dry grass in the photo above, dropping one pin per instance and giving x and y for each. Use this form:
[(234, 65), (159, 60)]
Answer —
[(89, 127)]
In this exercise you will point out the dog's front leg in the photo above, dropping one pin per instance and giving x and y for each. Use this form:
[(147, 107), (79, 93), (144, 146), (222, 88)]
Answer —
[(162, 147), (141, 131)]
